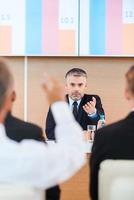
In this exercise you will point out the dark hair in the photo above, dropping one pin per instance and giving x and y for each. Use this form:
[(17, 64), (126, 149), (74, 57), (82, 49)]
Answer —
[(76, 72), (130, 79), (6, 81)]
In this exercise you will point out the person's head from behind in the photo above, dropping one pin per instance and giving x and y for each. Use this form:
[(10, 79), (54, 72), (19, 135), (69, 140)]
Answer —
[(76, 83), (6, 89), (129, 91)]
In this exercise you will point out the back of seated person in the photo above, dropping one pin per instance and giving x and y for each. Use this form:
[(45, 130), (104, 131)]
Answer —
[(115, 141)]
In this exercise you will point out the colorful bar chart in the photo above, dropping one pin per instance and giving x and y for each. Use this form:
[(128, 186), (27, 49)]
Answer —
[(67, 27), (111, 28)]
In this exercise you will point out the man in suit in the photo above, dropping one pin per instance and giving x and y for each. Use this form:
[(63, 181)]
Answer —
[(18, 130), (86, 108), (115, 141)]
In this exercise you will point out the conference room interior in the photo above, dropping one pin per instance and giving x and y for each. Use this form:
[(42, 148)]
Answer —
[(105, 78), (54, 36)]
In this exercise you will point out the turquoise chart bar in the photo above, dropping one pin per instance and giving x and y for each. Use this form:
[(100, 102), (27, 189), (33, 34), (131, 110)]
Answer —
[(97, 27), (33, 29)]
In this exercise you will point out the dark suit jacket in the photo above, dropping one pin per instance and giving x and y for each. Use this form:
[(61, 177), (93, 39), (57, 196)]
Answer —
[(115, 141), (82, 118), (18, 130)]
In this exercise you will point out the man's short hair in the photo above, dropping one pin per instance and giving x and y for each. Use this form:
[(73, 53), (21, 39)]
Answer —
[(6, 81), (76, 72)]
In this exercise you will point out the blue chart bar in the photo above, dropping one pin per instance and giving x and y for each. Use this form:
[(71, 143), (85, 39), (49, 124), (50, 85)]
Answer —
[(97, 27), (33, 27)]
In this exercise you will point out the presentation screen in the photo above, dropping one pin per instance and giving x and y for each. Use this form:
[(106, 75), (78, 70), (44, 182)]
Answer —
[(67, 27)]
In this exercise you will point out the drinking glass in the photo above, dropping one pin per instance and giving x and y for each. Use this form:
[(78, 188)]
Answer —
[(91, 132)]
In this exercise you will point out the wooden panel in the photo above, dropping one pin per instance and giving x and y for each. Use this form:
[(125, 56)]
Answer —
[(77, 188), (17, 68)]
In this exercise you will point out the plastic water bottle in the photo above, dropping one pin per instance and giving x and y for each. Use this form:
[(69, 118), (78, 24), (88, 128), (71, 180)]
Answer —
[(101, 122), (102, 119)]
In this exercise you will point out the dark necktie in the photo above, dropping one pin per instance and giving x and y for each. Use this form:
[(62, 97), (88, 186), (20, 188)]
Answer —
[(75, 109)]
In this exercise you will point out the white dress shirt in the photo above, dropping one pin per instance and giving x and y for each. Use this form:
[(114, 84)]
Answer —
[(35, 164), (71, 101)]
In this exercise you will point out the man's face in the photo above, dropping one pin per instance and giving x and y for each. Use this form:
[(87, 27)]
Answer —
[(75, 87)]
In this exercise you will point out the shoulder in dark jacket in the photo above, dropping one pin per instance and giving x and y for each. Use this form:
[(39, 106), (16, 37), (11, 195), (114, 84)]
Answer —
[(18, 129)]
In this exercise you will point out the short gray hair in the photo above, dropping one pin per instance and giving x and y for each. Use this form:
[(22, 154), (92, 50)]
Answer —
[(76, 72), (6, 81)]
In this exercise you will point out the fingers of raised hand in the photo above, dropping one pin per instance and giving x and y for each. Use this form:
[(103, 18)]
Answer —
[(94, 100)]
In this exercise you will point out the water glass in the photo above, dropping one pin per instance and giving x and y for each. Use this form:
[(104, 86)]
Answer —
[(91, 132)]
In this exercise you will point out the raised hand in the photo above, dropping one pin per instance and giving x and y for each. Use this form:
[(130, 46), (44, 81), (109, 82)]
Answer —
[(89, 107), (53, 88)]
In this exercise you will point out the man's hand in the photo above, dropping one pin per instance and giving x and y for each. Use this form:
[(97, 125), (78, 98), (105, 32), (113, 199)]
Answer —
[(89, 107), (53, 88)]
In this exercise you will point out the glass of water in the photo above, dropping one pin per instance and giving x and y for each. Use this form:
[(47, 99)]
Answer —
[(91, 132)]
